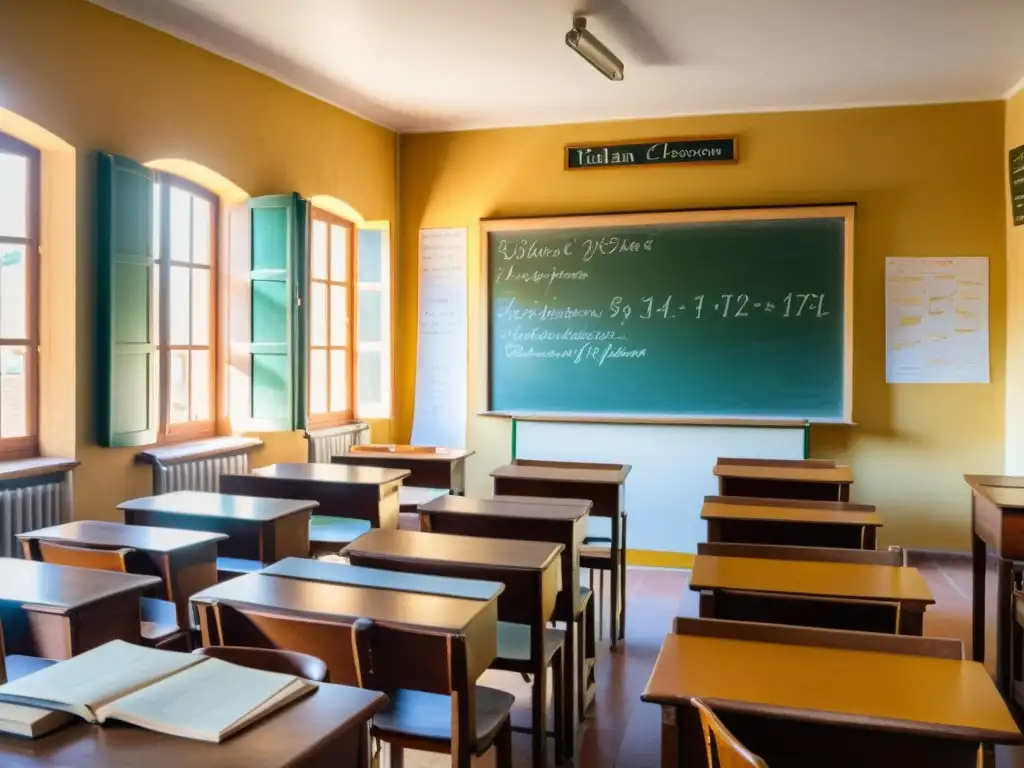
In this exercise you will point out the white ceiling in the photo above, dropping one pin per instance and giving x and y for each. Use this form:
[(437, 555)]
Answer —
[(423, 65)]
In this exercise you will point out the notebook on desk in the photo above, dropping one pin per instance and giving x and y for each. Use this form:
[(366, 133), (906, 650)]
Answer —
[(194, 697)]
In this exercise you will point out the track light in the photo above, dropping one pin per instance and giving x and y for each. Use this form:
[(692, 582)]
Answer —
[(593, 50)]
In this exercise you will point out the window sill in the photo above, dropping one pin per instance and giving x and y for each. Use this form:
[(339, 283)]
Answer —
[(42, 465), (197, 449), (340, 429)]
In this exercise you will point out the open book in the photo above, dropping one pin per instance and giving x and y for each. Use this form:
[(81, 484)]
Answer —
[(195, 697)]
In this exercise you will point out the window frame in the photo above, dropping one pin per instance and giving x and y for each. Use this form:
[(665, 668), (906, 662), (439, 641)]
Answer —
[(27, 446), (333, 418), (167, 431)]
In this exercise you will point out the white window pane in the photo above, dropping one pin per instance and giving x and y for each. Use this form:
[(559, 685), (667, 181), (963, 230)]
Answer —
[(200, 410), (13, 392), (339, 254), (339, 316), (371, 254), (339, 380), (202, 219), (371, 380), (371, 319), (156, 221), (181, 225), (13, 195), (318, 381), (318, 251), (13, 291), (179, 386), (200, 307), (318, 314), (179, 298)]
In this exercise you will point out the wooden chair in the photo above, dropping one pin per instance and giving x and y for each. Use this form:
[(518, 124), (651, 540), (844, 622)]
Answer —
[(270, 660), (893, 556), (596, 556), (432, 707), (724, 749), (14, 666), (159, 617)]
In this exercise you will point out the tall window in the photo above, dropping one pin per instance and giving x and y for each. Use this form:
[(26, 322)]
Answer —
[(330, 319), (373, 345), (185, 238), (19, 298)]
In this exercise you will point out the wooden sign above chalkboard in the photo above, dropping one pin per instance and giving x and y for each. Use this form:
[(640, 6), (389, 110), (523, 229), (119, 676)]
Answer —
[(692, 151), (1017, 185)]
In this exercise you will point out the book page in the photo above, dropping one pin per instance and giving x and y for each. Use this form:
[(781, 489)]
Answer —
[(205, 702), (86, 682)]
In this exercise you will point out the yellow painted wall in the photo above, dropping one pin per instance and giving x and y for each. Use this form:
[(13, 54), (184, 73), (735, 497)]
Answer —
[(1015, 302), (100, 81), (928, 181)]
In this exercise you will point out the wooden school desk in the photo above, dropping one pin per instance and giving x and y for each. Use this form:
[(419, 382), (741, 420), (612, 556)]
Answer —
[(326, 729), (340, 605), (602, 484), (429, 467), (793, 522), (56, 612), (997, 524), (185, 560), (259, 530), (853, 707), (784, 482), (882, 583)]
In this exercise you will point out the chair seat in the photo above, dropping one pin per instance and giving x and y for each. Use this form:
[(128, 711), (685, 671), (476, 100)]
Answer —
[(514, 642), (159, 620), (428, 716), (19, 666), (336, 531), (595, 556)]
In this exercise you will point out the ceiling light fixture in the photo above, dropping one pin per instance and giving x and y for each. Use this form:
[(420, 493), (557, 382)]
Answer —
[(593, 50)]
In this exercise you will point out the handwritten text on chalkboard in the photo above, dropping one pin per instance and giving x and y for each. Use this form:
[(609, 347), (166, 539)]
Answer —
[(716, 149), (1017, 185)]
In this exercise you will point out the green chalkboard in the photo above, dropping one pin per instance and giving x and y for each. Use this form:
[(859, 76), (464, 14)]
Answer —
[(736, 314)]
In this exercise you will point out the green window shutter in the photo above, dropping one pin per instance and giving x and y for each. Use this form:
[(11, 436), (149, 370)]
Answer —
[(279, 235), (300, 346), (126, 349)]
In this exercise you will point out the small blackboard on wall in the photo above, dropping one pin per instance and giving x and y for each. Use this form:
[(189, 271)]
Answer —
[(1017, 185), (689, 151)]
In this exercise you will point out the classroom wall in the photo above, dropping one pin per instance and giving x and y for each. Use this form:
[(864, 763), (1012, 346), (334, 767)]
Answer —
[(1014, 300), (100, 81), (928, 181)]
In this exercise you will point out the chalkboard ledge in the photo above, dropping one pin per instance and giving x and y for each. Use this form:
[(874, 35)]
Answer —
[(700, 421)]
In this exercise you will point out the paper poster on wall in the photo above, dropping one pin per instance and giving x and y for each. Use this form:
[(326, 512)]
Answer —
[(936, 320), (440, 410)]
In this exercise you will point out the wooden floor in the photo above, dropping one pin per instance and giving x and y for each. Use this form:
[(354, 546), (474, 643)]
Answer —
[(623, 732)]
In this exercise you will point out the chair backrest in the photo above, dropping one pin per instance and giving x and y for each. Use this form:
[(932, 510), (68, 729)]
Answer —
[(807, 463), (802, 611), (384, 663), (270, 660), (85, 557), (244, 626), (936, 647), (893, 556), (724, 749)]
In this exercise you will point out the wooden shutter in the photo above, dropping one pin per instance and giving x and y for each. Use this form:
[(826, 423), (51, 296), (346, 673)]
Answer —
[(279, 237), (126, 344)]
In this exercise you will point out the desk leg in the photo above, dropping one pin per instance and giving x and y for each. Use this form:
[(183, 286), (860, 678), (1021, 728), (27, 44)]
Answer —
[(669, 738), (622, 579), (1004, 594), (616, 577), (978, 557), (912, 620), (573, 668)]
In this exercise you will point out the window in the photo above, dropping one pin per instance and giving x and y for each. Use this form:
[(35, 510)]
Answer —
[(19, 298), (373, 345), (185, 244), (330, 319)]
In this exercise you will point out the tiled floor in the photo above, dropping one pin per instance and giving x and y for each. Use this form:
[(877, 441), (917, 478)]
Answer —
[(623, 732)]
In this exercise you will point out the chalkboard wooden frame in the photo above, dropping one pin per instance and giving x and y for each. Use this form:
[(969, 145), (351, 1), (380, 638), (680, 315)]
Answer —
[(715, 215)]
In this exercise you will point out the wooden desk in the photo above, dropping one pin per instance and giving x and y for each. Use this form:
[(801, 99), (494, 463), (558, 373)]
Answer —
[(602, 484), (432, 468), (185, 560), (853, 708), (341, 604), (997, 525), (880, 583), (264, 530), (361, 493), (794, 522), (56, 612), (325, 729), (784, 482)]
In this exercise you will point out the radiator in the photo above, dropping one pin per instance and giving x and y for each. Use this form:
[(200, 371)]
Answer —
[(30, 503), (198, 474), (334, 441)]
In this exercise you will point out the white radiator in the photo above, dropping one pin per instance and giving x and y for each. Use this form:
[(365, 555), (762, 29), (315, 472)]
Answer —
[(334, 441), (197, 465), (31, 503)]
